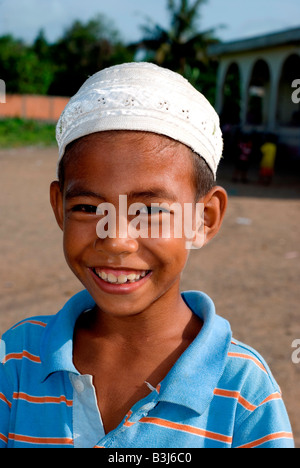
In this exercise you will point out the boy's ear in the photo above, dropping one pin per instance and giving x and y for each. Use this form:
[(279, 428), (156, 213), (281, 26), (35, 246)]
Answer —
[(214, 206), (56, 200)]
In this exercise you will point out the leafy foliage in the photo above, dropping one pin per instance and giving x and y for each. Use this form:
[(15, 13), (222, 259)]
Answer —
[(84, 48), (22, 69), (18, 132), (61, 68), (182, 47)]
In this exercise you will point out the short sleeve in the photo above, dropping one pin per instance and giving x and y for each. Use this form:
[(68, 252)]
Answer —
[(267, 426), (5, 403)]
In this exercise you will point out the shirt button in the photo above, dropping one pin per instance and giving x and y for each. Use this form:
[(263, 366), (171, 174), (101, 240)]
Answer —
[(79, 385)]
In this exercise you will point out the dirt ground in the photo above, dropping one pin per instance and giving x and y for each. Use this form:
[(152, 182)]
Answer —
[(251, 269)]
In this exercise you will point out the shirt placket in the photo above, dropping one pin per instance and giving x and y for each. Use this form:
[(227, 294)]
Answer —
[(139, 410)]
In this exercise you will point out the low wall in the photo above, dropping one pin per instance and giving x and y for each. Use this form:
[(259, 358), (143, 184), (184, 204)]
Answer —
[(29, 106)]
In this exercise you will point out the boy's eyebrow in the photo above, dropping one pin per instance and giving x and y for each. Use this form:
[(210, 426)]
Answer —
[(81, 192), (154, 193), (148, 194)]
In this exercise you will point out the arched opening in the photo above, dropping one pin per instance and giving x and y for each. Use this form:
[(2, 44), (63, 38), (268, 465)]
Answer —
[(231, 110), (259, 94), (288, 109)]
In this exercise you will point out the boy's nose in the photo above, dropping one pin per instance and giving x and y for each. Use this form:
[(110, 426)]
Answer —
[(117, 242), (117, 246)]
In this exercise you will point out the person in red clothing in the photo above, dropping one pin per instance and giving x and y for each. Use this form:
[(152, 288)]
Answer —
[(244, 153)]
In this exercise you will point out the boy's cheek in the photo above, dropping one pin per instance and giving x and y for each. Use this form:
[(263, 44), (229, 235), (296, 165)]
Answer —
[(78, 236), (168, 251)]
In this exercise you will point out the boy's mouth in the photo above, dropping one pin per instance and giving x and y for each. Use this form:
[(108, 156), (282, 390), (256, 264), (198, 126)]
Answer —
[(120, 276)]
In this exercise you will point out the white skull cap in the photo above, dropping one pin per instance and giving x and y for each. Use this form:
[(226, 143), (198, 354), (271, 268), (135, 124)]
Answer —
[(143, 97)]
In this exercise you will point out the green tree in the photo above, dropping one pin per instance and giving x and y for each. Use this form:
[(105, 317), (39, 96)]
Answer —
[(84, 49), (61, 68), (41, 47), (182, 47), (10, 52), (22, 69)]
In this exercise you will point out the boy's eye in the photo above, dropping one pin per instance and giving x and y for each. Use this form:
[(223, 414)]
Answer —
[(91, 209), (152, 210)]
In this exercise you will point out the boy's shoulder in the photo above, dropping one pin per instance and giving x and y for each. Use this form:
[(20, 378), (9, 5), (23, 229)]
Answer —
[(28, 324), (248, 373), (248, 356), (27, 338), (24, 337)]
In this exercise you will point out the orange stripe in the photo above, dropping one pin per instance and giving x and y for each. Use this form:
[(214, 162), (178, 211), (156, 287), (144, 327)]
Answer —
[(33, 322), (246, 404), (235, 395), (226, 393), (277, 435), (3, 398), (24, 354), (188, 429), (41, 440), (242, 400), (251, 358), (3, 438), (45, 399), (126, 422), (274, 396)]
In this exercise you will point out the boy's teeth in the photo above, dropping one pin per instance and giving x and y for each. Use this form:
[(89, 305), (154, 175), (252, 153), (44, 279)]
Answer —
[(112, 278), (131, 277), (121, 279)]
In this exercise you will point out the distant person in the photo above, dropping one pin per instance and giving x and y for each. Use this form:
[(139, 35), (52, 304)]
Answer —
[(267, 164), (244, 153)]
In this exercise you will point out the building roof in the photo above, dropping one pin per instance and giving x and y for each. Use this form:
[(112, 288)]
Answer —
[(288, 36)]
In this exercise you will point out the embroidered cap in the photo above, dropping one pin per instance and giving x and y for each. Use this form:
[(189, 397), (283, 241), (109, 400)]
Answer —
[(143, 97)]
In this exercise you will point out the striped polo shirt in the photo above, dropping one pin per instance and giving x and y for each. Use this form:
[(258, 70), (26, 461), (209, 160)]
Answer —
[(219, 394)]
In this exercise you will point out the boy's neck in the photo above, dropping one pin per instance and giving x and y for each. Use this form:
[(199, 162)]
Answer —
[(126, 354), (165, 320)]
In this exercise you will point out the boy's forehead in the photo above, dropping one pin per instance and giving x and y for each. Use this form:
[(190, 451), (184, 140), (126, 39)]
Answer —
[(133, 160), (128, 148), (130, 145)]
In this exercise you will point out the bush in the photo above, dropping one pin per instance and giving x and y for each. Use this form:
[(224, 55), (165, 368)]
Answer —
[(18, 132)]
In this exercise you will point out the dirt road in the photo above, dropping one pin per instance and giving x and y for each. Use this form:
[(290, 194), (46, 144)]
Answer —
[(251, 270)]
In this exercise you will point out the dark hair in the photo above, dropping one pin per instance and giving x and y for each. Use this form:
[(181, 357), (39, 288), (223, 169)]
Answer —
[(203, 177), (63, 162)]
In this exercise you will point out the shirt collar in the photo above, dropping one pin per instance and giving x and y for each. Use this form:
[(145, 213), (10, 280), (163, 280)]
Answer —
[(195, 375), (192, 379), (57, 341)]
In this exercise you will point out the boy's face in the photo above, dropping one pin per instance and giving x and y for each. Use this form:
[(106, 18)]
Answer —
[(147, 168)]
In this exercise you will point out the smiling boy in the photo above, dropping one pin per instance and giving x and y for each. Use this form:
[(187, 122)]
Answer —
[(130, 361)]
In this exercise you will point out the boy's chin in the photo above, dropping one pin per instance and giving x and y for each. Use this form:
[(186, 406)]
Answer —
[(120, 308)]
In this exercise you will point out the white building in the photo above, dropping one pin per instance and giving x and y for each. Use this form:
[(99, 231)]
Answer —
[(258, 85)]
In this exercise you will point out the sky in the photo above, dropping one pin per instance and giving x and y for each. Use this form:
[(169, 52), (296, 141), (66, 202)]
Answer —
[(233, 19)]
